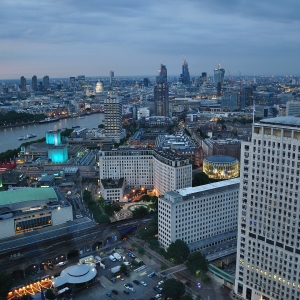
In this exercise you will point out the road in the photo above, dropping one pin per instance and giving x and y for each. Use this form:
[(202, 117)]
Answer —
[(212, 289)]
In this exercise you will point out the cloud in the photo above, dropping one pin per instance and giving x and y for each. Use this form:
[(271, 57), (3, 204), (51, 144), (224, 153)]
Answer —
[(131, 36)]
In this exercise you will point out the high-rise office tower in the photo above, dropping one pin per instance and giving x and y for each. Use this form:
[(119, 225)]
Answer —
[(219, 75), (185, 75), (111, 76), (161, 93), (81, 80), (268, 254), (203, 78), (23, 83), (34, 83), (113, 118), (146, 82), (72, 82), (46, 82)]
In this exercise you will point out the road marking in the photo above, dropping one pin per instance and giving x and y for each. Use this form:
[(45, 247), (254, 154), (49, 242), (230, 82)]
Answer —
[(144, 273)]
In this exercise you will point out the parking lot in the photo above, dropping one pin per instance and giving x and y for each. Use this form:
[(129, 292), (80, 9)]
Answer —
[(106, 285)]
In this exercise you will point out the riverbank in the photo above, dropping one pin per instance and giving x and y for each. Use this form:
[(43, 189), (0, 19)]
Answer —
[(38, 122)]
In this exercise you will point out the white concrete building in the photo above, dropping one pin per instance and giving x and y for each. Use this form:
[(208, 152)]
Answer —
[(162, 170), (202, 216), (112, 190), (170, 171), (268, 256)]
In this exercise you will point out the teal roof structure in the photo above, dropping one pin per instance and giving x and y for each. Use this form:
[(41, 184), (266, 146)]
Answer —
[(27, 194)]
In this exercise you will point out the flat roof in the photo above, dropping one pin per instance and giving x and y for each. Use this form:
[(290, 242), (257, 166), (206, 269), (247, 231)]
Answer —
[(201, 188), (220, 159), (27, 194), (284, 120)]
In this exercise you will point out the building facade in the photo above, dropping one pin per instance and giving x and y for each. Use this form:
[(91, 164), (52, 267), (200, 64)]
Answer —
[(161, 93), (162, 170), (201, 216), (268, 256), (113, 118)]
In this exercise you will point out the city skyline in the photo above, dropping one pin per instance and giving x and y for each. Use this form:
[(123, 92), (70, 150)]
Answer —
[(132, 38)]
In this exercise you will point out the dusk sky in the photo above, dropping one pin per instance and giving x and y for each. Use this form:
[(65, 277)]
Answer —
[(132, 37)]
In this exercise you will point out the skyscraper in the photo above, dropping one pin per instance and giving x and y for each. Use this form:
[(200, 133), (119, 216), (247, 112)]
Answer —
[(185, 75), (268, 254), (23, 83), (203, 78), (161, 93), (219, 75), (111, 77), (113, 118), (72, 82), (34, 84), (46, 82)]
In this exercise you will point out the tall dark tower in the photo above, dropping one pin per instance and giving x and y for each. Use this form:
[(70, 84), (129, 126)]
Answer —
[(23, 83), (185, 75), (161, 93), (34, 84), (46, 82)]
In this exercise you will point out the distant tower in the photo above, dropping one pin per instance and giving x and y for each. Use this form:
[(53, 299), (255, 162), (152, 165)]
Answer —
[(81, 80), (72, 82), (219, 75), (34, 84), (161, 93), (111, 77), (203, 78), (46, 82), (113, 118), (146, 82), (23, 83), (185, 75)]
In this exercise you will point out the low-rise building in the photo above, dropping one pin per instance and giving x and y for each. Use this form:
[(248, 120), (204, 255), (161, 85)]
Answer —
[(112, 190)]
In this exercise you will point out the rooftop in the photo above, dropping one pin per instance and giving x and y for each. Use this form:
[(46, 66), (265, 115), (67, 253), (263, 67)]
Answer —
[(284, 120), (207, 187), (220, 159), (27, 194)]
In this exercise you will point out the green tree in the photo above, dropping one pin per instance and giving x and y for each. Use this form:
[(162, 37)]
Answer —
[(146, 198), (101, 126), (163, 266), (6, 282), (141, 251), (173, 288), (50, 294), (187, 297), (197, 263), (178, 251), (123, 268), (200, 179), (26, 297), (140, 212), (133, 245)]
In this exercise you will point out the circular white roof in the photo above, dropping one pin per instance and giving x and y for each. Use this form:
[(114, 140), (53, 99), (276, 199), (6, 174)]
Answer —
[(75, 274)]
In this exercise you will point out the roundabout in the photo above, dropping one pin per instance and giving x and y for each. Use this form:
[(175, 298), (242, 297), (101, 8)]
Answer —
[(135, 206)]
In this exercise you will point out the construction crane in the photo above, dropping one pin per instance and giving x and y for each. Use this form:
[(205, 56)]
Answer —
[(231, 79)]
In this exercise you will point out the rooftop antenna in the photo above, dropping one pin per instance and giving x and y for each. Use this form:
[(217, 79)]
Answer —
[(253, 110)]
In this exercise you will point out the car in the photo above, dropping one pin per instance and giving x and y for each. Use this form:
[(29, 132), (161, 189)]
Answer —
[(108, 294), (188, 284), (160, 282), (115, 292), (112, 258), (158, 296), (159, 289), (129, 284), (61, 264), (127, 263), (199, 285), (156, 289), (126, 292), (144, 283), (151, 275), (136, 282), (132, 289)]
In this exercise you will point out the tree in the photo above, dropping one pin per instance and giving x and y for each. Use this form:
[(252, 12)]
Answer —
[(197, 263), (173, 288), (101, 126), (140, 212), (187, 297), (178, 251), (26, 297), (200, 179), (141, 251), (50, 294), (6, 282), (123, 268)]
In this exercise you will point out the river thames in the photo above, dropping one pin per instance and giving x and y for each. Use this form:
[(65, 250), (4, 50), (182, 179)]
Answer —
[(9, 136)]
